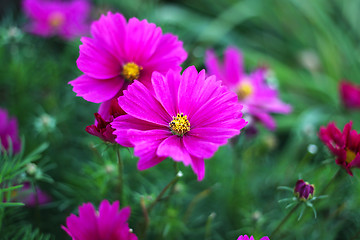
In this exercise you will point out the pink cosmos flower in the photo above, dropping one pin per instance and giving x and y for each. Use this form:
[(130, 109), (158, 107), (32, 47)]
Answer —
[(107, 224), (350, 94), (304, 190), (8, 133), (186, 117), (245, 237), (258, 98), (344, 145), (67, 19), (108, 111), (120, 52)]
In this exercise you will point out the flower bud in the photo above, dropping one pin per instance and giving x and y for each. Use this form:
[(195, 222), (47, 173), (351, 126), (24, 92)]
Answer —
[(304, 190)]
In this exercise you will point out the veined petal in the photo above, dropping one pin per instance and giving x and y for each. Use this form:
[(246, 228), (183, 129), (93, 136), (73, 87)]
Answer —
[(95, 61), (140, 103), (233, 65), (173, 146), (198, 147)]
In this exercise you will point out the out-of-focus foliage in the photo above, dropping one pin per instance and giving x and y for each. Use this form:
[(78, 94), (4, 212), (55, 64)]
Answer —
[(309, 45)]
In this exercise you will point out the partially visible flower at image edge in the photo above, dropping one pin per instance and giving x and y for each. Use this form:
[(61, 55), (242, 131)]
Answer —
[(185, 117), (107, 223), (9, 133), (120, 52), (67, 19), (257, 97), (350, 94), (344, 145), (245, 237)]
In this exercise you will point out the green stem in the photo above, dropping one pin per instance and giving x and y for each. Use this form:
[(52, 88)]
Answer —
[(284, 220), (161, 194), (120, 170), (330, 182)]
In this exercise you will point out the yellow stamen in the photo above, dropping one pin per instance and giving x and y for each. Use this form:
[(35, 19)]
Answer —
[(56, 19), (350, 156), (245, 89), (131, 71), (180, 125)]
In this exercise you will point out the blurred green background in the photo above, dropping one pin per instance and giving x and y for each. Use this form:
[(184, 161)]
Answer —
[(310, 46)]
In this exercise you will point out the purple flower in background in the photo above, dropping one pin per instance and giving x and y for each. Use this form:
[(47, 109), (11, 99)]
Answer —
[(9, 133), (30, 196), (245, 237), (186, 117), (108, 223), (254, 93), (67, 19), (120, 52), (304, 190)]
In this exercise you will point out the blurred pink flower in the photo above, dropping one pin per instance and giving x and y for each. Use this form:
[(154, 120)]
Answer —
[(121, 52), (9, 133), (344, 145), (245, 237), (108, 111), (31, 197), (108, 223), (186, 117), (67, 19), (350, 94), (258, 98)]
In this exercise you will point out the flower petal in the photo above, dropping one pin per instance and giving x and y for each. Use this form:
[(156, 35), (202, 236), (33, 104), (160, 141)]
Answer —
[(233, 66), (198, 147), (173, 147), (95, 61), (95, 90)]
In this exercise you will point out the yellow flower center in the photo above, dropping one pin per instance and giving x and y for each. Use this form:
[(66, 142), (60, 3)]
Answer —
[(245, 89), (180, 125), (350, 156), (131, 71), (56, 19)]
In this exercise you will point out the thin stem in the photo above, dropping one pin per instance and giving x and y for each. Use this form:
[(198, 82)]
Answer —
[(284, 220), (121, 170), (330, 182), (146, 222), (161, 194)]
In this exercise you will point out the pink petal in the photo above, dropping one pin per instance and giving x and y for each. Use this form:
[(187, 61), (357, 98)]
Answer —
[(140, 103), (233, 66), (173, 146), (214, 135), (96, 62), (141, 40), (123, 123), (198, 166), (198, 147), (95, 90), (213, 66), (111, 29), (166, 90), (146, 144)]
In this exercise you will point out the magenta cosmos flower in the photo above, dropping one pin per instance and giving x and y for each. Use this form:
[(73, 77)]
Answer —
[(245, 237), (107, 224), (186, 117), (350, 94), (120, 52), (30, 196), (344, 145), (254, 93), (67, 19), (9, 132)]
